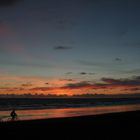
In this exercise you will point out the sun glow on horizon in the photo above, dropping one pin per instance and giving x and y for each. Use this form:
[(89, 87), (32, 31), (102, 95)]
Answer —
[(62, 86)]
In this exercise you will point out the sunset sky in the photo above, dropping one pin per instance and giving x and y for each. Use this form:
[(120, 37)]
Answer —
[(69, 46)]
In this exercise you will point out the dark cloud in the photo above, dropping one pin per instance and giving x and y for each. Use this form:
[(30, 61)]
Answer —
[(42, 88), (78, 85), (86, 73), (118, 59), (126, 89), (69, 80), (131, 84), (62, 47), (83, 73), (137, 77), (132, 81), (8, 2), (109, 83), (86, 84), (135, 89), (26, 85)]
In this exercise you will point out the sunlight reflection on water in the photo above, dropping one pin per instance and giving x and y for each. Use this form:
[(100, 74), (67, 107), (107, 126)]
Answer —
[(67, 112)]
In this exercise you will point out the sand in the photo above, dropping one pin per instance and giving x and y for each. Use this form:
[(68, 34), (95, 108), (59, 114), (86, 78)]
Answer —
[(107, 126)]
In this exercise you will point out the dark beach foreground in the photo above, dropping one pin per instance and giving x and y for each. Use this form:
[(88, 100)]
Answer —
[(107, 126)]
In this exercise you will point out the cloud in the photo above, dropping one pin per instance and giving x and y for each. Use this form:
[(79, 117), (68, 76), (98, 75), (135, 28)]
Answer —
[(47, 83), (74, 86), (43, 88), (39, 84), (68, 80), (135, 89), (26, 85), (108, 83), (86, 85), (118, 59), (128, 82), (62, 47), (8, 2), (83, 73), (78, 85), (86, 73)]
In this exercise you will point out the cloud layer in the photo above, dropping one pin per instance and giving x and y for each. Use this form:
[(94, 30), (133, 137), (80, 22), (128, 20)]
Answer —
[(62, 47), (128, 82)]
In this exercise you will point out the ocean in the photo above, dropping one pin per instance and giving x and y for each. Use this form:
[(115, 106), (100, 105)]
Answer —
[(33, 108)]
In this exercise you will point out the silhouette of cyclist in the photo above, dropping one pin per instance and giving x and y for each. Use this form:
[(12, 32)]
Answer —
[(13, 115)]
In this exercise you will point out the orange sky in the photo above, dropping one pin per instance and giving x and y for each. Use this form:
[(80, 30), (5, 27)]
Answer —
[(10, 84)]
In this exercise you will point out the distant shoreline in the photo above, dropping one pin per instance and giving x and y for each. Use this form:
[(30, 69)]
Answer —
[(84, 95)]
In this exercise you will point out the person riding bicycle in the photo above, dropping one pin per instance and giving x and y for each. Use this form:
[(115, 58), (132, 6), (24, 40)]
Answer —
[(13, 115)]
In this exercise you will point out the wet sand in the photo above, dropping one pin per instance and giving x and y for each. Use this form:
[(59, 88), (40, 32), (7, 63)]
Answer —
[(107, 126)]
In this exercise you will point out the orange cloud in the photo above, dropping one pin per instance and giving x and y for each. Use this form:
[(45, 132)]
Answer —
[(59, 86)]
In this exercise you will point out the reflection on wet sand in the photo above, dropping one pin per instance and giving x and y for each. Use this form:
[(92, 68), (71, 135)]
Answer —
[(69, 112)]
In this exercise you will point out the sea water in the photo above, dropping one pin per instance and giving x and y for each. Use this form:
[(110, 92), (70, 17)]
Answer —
[(28, 109)]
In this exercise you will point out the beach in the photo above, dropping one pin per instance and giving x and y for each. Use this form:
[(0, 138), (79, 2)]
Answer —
[(103, 126)]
